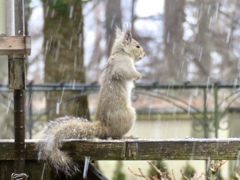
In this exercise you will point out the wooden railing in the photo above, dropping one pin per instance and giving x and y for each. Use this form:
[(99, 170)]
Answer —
[(126, 149), (138, 149)]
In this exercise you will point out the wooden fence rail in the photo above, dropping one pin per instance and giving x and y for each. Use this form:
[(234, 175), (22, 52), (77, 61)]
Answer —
[(138, 149), (126, 149)]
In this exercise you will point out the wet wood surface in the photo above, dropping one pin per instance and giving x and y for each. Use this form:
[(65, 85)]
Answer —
[(138, 149)]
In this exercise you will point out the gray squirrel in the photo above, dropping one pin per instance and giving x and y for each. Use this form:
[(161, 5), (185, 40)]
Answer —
[(115, 114)]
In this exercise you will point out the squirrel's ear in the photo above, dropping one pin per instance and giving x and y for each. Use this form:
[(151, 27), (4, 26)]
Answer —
[(118, 32), (128, 36)]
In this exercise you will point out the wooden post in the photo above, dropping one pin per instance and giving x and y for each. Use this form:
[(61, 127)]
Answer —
[(17, 67)]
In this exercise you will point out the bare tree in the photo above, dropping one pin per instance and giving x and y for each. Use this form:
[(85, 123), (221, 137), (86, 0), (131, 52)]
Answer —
[(173, 39), (113, 15), (212, 45), (63, 42)]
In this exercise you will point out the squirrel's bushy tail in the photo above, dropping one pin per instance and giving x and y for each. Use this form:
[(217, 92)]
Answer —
[(66, 128)]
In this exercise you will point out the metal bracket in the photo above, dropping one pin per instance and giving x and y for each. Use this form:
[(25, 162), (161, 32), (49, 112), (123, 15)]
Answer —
[(21, 176)]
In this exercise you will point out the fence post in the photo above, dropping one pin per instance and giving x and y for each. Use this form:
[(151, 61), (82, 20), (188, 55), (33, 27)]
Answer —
[(16, 68)]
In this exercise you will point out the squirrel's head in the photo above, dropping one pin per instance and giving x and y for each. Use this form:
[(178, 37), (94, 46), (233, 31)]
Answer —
[(125, 43)]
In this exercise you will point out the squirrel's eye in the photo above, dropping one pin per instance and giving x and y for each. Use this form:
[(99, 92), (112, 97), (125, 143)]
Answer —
[(137, 46)]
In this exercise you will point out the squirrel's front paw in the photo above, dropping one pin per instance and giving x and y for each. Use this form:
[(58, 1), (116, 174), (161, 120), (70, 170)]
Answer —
[(138, 76)]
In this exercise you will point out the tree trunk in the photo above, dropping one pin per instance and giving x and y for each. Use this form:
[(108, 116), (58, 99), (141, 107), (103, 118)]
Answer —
[(113, 15), (64, 53), (174, 52), (203, 56)]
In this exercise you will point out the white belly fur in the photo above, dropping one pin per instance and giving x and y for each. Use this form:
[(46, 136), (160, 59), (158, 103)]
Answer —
[(129, 87)]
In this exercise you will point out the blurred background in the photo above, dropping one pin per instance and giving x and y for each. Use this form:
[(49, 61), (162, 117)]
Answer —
[(190, 75)]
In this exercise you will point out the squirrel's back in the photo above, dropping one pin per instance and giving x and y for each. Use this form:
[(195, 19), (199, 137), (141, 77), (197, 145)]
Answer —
[(114, 106)]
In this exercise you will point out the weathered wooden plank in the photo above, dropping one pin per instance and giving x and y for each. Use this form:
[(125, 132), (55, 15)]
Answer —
[(6, 150), (96, 149), (15, 45), (168, 149), (140, 149), (184, 150)]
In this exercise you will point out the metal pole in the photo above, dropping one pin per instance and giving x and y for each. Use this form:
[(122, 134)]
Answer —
[(216, 110), (19, 99), (10, 17), (206, 124), (19, 116), (30, 118)]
